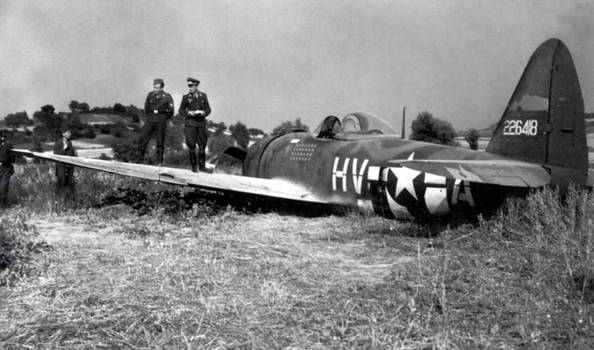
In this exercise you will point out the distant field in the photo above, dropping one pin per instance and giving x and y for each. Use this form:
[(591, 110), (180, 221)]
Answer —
[(213, 276), (101, 118), (94, 148), (102, 140)]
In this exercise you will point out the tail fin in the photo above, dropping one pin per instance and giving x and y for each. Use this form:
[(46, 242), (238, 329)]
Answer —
[(544, 119)]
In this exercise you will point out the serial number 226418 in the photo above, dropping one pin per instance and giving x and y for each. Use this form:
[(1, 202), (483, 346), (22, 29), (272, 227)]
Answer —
[(520, 127)]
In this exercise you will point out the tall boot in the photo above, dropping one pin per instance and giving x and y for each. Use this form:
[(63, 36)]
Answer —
[(193, 161), (160, 152), (141, 153), (202, 160)]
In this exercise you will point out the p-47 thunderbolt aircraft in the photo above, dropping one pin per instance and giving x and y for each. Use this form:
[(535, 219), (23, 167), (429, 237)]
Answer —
[(359, 160)]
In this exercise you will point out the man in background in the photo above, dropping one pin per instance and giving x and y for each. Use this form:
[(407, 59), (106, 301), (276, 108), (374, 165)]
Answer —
[(6, 167), (195, 108), (65, 172), (158, 109)]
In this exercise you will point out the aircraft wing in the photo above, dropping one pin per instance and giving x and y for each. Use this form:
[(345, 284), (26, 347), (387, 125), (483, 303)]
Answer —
[(501, 172), (276, 188)]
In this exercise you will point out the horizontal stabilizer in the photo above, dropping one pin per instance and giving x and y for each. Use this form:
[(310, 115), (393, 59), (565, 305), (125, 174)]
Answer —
[(495, 172), (275, 188)]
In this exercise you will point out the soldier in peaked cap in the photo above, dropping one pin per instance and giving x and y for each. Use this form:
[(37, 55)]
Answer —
[(6, 168), (158, 109), (195, 108)]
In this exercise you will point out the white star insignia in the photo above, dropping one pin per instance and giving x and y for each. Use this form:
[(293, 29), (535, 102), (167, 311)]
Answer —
[(405, 178)]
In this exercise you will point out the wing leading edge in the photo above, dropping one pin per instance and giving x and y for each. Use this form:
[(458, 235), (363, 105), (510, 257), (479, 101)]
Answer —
[(501, 172), (275, 188)]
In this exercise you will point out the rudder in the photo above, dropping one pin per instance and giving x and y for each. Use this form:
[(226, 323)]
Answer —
[(544, 119)]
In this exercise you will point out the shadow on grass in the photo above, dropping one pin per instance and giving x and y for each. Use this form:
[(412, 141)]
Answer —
[(172, 202), (209, 204)]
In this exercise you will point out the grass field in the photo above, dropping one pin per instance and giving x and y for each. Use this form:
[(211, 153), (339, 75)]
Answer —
[(211, 276)]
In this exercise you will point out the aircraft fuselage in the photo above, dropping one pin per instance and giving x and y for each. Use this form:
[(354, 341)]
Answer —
[(360, 170)]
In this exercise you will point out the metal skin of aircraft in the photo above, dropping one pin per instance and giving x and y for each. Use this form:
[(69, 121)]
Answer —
[(360, 161)]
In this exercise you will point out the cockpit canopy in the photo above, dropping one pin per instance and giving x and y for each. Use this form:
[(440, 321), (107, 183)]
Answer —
[(358, 123)]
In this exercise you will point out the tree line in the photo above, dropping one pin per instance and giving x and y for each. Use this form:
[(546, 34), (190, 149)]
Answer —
[(48, 123)]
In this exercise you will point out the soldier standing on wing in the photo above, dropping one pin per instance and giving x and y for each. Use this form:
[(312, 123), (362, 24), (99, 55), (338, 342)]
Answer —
[(195, 108), (158, 109)]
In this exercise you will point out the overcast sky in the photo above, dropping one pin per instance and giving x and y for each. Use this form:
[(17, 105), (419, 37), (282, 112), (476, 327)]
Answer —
[(263, 62)]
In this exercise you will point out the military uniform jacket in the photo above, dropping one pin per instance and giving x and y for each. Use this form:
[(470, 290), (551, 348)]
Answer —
[(158, 106), (6, 157), (192, 102), (64, 147)]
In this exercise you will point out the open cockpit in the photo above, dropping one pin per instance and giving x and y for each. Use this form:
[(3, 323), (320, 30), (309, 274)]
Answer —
[(353, 126)]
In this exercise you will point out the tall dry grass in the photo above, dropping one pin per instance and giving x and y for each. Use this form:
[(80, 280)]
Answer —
[(523, 278), (33, 186), (19, 242), (231, 279)]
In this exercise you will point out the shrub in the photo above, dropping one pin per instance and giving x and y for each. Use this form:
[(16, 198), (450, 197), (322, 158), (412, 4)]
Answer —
[(133, 114), (430, 129), (42, 133), (217, 144), (78, 128), (104, 128), (118, 129), (241, 134), (86, 132), (174, 137), (472, 138), (127, 150)]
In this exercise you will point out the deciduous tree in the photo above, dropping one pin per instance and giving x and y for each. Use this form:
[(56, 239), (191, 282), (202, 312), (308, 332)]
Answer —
[(430, 129), (288, 126), (241, 134), (50, 123), (17, 119)]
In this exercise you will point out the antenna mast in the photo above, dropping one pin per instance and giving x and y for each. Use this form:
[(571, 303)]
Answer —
[(403, 122)]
